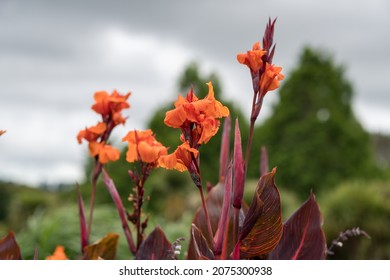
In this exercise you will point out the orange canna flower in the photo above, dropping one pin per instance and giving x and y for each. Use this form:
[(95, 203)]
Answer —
[(202, 112), (59, 254), (180, 159), (270, 78), (253, 59), (105, 152), (144, 146), (106, 104), (92, 133)]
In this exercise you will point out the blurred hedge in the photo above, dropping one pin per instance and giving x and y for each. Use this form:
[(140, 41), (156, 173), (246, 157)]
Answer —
[(358, 204)]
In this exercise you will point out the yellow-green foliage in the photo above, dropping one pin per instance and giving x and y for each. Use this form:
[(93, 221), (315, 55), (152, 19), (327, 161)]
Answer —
[(359, 204)]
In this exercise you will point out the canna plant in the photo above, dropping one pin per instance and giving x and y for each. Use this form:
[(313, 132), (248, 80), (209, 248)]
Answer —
[(224, 226)]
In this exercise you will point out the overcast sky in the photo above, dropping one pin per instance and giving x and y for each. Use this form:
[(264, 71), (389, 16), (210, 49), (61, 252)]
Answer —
[(55, 54)]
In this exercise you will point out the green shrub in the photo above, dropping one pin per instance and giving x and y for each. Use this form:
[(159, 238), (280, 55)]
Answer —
[(46, 230), (358, 204)]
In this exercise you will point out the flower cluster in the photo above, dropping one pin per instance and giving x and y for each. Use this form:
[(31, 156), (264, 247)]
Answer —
[(143, 146), (198, 121), (109, 106), (265, 75)]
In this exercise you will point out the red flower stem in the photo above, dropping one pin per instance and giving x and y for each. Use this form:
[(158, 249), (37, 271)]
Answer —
[(139, 205), (206, 213), (140, 200), (96, 172), (256, 107), (121, 210)]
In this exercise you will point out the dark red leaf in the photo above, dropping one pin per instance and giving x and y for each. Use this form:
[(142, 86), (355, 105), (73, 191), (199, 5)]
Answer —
[(214, 202), (223, 221), (155, 247), (262, 228), (200, 249), (303, 237), (104, 248), (239, 169), (9, 248)]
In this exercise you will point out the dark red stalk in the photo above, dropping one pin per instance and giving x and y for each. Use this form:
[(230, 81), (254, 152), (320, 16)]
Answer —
[(121, 210), (206, 213), (83, 226), (36, 253), (96, 172), (264, 161)]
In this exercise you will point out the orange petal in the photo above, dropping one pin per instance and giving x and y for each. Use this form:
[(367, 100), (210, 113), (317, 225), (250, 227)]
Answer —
[(131, 154), (180, 159), (59, 254), (108, 153), (176, 117), (94, 148), (210, 127), (171, 162)]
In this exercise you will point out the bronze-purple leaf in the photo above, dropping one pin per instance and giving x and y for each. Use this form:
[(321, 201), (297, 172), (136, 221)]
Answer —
[(9, 248), (303, 237), (220, 235), (200, 249), (155, 247), (214, 202), (104, 248), (262, 227), (239, 169)]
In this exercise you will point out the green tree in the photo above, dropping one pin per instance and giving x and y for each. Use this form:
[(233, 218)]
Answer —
[(313, 136)]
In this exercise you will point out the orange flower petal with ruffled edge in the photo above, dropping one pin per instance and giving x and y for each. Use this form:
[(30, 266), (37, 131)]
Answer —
[(176, 117), (101, 103), (106, 104), (180, 159), (253, 58), (92, 133), (105, 152), (210, 127), (217, 110), (59, 254), (271, 77), (144, 144), (196, 110)]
